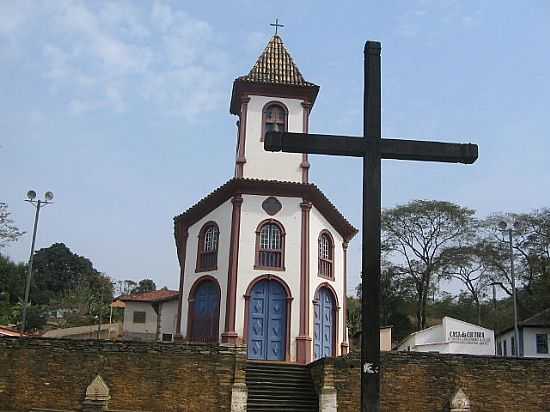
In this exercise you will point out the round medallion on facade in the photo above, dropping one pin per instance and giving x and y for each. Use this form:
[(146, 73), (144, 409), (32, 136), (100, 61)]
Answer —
[(272, 206)]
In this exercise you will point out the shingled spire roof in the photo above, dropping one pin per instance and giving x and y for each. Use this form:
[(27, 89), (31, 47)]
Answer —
[(276, 66), (274, 74)]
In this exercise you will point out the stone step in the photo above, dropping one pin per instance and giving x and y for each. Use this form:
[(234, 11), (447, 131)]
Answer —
[(280, 387)]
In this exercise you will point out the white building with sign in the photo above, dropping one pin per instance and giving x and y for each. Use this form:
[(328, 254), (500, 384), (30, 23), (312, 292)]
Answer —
[(534, 337), (451, 336)]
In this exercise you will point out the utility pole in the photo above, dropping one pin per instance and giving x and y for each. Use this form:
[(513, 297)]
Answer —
[(31, 195), (509, 226)]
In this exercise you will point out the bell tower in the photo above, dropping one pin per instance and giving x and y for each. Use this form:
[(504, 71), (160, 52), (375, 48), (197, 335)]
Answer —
[(272, 96)]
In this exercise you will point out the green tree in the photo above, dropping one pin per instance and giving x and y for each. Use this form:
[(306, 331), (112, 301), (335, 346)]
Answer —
[(396, 295), (354, 315), (12, 280), (8, 231), (416, 233), (37, 316), (57, 270), (531, 255), (145, 285), (466, 263)]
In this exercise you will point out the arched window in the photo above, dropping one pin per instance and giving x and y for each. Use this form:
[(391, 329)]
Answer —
[(207, 251), (274, 119), (326, 255), (270, 245)]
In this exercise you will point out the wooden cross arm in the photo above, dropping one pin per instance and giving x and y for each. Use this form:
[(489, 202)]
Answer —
[(360, 147)]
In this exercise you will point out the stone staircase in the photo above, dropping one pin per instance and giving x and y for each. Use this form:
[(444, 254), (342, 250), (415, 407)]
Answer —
[(280, 387)]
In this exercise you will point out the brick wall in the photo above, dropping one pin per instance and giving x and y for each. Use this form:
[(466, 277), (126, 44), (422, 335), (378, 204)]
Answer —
[(54, 373), (425, 382)]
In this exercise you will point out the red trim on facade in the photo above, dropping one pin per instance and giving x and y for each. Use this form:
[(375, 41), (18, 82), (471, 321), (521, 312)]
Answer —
[(245, 88), (257, 251), (229, 335), (261, 187), (181, 234), (332, 266), (264, 109), (289, 300), (303, 341), (336, 313), (191, 299), (345, 346), (305, 162), (200, 248), (241, 159)]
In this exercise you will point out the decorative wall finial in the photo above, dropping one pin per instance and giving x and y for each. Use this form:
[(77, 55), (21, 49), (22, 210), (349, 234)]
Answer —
[(97, 390), (460, 402)]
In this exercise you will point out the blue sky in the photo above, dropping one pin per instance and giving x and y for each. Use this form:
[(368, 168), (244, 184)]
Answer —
[(122, 109)]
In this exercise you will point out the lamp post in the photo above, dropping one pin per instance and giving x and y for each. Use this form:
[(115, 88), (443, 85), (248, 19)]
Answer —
[(509, 226), (31, 195)]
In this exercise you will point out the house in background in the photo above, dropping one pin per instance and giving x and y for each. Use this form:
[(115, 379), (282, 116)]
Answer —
[(451, 336), (534, 336), (150, 316), (385, 340)]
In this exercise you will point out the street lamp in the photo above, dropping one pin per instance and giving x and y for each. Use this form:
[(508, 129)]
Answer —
[(31, 195), (510, 225)]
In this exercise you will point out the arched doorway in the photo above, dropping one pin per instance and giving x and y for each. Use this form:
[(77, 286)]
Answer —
[(204, 311), (324, 327), (267, 321)]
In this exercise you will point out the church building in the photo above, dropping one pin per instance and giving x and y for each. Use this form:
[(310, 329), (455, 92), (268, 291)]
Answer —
[(263, 257)]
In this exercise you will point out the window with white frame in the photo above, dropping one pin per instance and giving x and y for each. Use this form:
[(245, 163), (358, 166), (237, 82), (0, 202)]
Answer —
[(270, 245), (326, 255), (542, 343)]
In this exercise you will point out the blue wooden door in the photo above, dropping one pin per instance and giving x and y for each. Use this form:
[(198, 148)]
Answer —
[(267, 321), (323, 328), (205, 313)]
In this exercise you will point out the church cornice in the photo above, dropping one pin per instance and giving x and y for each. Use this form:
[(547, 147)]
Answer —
[(307, 191), (248, 88)]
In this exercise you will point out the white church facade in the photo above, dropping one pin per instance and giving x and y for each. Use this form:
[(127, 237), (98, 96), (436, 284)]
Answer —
[(263, 257)]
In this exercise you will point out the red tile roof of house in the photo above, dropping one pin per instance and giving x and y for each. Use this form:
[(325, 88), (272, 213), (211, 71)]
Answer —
[(150, 297), (6, 331)]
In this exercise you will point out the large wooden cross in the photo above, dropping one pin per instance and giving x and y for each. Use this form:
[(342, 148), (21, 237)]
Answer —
[(372, 148)]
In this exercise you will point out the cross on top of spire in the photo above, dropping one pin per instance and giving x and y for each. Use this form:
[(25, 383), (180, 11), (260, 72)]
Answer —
[(276, 25)]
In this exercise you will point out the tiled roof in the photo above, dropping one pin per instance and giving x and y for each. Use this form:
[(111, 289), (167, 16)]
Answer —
[(307, 191), (539, 319), (276, 66), (7, 331), (155, 296)]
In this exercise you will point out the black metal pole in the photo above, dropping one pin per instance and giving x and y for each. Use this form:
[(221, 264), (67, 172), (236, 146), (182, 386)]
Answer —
[(370, 319), (29, 271)]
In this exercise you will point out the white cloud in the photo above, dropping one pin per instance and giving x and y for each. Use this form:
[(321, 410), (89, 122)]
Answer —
[(114, 54)]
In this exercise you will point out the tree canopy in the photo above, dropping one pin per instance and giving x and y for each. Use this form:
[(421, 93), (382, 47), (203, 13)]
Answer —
[(416, 234), (145, 285), (9, 232)]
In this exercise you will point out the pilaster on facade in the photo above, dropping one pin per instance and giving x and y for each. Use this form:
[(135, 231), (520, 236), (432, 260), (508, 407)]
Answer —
[(303, 340), (305, 165), (241, 159), (181, 234), (230, 335), (344, 348)]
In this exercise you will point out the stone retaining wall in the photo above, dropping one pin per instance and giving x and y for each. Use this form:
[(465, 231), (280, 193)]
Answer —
[(54, 373), (426, 382)]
